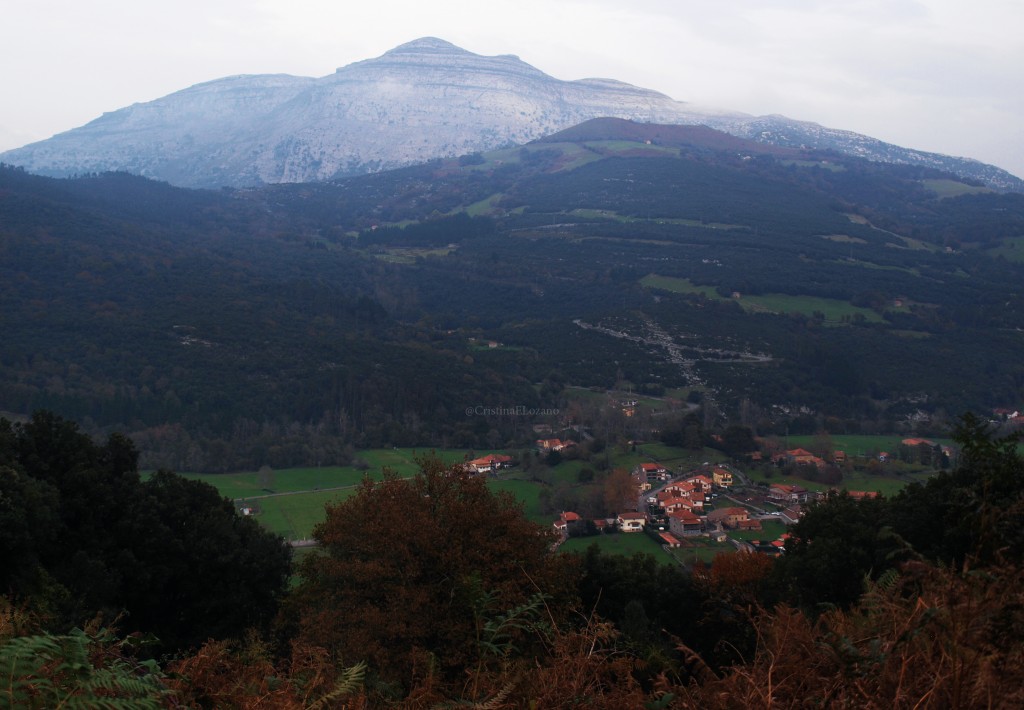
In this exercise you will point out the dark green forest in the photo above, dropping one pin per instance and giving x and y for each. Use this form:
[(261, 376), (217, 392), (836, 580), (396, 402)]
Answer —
[(293, 324)]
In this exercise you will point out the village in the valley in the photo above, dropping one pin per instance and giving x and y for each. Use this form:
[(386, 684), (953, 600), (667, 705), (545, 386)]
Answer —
[(696, 513)]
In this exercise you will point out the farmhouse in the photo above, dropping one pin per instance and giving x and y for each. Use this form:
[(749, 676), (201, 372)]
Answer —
[(567, 522), (729, 517), (786, 494), (721, 477), (802, 456), (652, 471), (630, 522), (547, 445), (920, 451), (641, 482), (489, 463), (685, 524)]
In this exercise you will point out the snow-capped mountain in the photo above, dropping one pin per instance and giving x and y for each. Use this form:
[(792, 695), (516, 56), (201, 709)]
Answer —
[(422, 100)]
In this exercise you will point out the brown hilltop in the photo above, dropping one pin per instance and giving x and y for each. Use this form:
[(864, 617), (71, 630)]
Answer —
[(604, 129)]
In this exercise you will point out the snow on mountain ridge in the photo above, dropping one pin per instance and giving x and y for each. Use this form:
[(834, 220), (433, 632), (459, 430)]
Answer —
[(421, 100)]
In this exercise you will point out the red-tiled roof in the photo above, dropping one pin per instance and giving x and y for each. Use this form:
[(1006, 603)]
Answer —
[(684, 516), (489, 459), (670, 539), (916, 442)]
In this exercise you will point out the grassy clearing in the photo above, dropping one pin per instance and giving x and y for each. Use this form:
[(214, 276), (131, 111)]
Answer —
[(618, 544), (824, 164), (295, 516), (859, 444), (290, 502), (952, 188), (251, 484), (527, 493), (631, 147), (770, 530), (912, 244), (876, 267), (700, 550), (589, 213), (834, 310), (1011, 249), (485, 206), (676, 285), (843, 239)]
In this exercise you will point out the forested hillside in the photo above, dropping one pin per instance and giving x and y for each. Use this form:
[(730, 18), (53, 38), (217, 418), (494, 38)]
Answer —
[(290, 324)]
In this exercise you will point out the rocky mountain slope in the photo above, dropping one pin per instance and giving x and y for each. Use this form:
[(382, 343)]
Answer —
[(421, 100)]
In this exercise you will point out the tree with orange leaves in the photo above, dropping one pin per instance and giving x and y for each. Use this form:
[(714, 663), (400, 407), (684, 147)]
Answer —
[(415, 575)]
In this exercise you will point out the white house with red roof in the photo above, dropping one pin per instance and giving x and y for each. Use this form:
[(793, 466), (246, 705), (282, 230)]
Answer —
[(652, 471), (550, 444), (701, 481), (630, 522), (784, 493), (490, 462)]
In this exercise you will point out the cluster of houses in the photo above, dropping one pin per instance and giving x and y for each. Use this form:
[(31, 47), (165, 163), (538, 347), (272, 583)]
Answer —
[(678, 506)]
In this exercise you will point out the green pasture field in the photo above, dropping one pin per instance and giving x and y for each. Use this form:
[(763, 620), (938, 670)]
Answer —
[(877, 267), (824, 164), (593, 213), (292, 501), (952, 188), (627, 146), (860, 444), (294, 516), (527, 493), (485, 206), (619, 544), (833, 309), (770, 530), (700, 549), (1011, 249), (247, 484), (677, 285), (674, 458)]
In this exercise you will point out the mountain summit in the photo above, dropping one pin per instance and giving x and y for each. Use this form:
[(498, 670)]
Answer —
[(421, 100)]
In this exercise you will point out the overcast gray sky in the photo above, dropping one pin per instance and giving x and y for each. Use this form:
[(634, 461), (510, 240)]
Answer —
[(938, 75)]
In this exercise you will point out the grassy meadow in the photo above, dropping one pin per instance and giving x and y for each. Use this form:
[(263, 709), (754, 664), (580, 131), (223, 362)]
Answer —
[(834, 310), (618, 544), (290, 502)]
